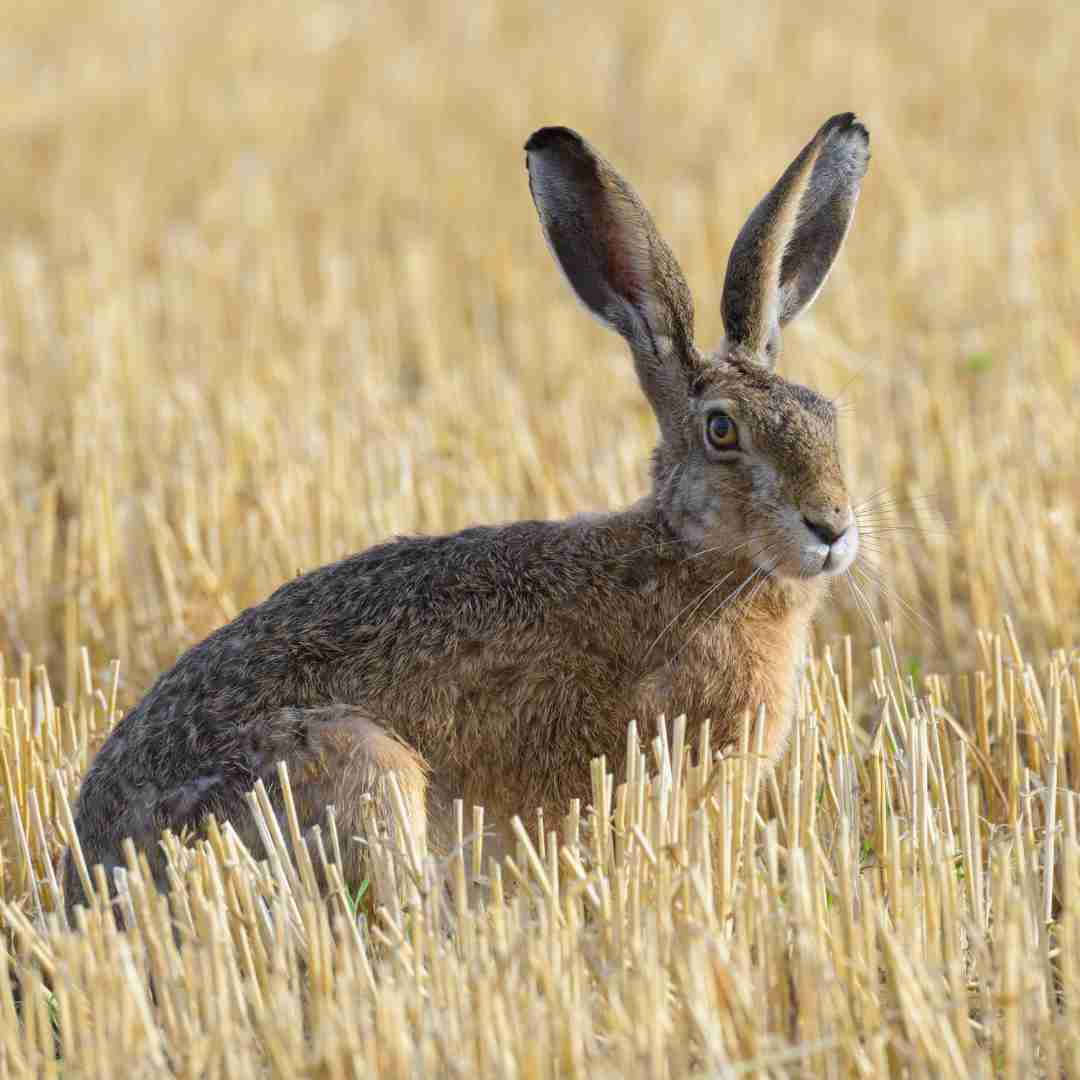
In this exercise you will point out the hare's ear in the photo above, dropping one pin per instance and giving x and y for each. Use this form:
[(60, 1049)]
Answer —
[(785, 250), (606, 244)]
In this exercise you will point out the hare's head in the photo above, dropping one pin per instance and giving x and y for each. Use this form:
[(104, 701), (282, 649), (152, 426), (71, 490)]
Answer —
[(747, 462)]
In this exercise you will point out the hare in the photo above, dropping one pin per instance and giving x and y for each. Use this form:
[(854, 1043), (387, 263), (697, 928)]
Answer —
[(492, 665)]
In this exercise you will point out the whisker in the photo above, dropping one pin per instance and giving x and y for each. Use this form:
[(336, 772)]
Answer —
[(839, 401), (694, 604), (730, 551), (913, 615), (673, 543), (892, 494), (762, 581), (882, 530), (863, 604), (883, 503), (732, 597)]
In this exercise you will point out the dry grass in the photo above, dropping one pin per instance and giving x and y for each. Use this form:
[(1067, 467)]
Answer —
[(272, 288)]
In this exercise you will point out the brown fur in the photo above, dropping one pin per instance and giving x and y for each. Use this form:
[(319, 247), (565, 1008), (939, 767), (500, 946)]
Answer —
[(352, 760), (494, 664)]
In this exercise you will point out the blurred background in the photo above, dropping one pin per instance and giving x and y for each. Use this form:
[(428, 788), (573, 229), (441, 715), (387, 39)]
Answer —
[(272, 289)]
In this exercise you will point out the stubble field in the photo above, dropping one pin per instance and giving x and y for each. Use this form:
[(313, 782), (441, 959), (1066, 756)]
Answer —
[(272, 289)]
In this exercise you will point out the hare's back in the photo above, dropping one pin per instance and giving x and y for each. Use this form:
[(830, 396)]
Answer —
[(386, 623)]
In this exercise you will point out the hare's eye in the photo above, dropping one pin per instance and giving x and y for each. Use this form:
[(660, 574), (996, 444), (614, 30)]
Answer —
[(721, 431)]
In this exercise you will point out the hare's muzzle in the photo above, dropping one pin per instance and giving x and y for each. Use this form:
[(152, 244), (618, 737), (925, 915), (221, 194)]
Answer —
[(833, 539)]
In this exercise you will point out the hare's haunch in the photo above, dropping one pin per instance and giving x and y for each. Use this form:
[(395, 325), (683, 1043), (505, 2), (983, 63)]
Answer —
[(492, 665)]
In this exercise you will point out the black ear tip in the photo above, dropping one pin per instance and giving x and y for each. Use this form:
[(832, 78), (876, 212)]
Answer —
[(546, 138), (847, 124)]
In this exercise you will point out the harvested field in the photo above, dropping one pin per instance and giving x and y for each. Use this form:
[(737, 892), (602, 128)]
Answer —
[(272, 289)]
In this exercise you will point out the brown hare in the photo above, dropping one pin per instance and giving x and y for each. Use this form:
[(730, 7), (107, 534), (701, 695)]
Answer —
[(494, 664)]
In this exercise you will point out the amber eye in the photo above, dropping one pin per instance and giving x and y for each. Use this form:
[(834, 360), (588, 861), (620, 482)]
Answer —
[(721, 431)]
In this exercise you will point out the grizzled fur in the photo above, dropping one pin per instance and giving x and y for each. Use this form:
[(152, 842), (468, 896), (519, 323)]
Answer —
[(493, 664)]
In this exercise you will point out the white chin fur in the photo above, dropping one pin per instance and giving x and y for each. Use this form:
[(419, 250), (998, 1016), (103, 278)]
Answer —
[(842, 553), (810, 560)]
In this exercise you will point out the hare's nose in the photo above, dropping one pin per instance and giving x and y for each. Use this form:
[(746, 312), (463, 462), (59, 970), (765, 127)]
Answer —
[(829, 526)]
